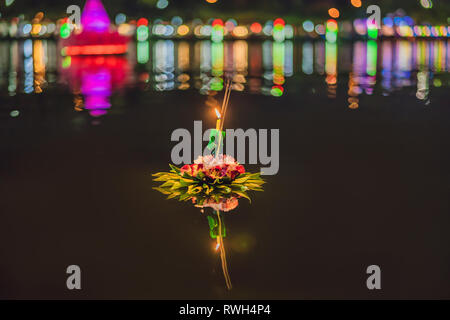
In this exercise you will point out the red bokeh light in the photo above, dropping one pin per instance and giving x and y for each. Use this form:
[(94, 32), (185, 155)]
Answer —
[(256, 27), (279, 21), (218, 22), (142, 22)]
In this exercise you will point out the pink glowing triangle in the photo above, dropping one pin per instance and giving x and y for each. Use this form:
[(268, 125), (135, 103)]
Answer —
[(94, 17)]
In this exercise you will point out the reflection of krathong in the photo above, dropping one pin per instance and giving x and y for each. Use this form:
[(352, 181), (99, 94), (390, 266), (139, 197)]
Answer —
[(96, 36), (215, 181)]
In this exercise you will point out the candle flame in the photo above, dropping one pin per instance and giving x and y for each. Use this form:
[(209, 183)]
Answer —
[(217, 113)]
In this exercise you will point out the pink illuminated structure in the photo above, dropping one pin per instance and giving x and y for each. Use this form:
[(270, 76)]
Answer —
[(96, 36)]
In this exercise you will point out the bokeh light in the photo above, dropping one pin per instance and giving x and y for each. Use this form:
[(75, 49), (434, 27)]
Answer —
[(308, 26), (427, 4), (256, 27), (356, 3), (333, 12), (162, 4), (183, 30)]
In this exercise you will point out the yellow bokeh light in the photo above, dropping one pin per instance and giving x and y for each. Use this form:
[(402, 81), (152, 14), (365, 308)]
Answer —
[(211, 1), (240, 31), (183, 30)]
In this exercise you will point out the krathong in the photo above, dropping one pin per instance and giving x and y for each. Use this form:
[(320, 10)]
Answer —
[(208, 179), (214, 181)]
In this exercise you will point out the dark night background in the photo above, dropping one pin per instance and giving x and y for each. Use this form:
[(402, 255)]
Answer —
[(355, 187)]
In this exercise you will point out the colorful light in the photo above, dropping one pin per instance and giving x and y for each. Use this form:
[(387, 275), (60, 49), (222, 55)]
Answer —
[(143, 52), (372, 30), (162, 4), (217, 61), (277, 91), (120, 18), (320, 29), (97, 49), (360, 26), (278, 30), (240, 31), (371, 67), (64, 31), (331, 62), (332, 26), (333, 12), (142, 33), (183, 30), (331, 30), (142, 22), (217, 22), (66, 62), (427, 4), (308, 26), (278, 52), (279, 22), (217, 30), (356, 3), (94, 17), (230, 25), (256, 27)]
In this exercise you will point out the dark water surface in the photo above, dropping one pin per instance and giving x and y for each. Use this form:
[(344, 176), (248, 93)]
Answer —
[(356, 187)]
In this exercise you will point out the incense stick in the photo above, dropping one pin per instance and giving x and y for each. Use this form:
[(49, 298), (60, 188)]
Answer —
[(225, 107), (223, 256), (227, 86), (226, 99)]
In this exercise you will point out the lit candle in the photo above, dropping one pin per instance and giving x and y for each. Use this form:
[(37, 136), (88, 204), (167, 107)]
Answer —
[(218, 119)]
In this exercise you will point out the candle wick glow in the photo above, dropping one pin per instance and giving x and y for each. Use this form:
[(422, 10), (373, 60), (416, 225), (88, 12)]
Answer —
[(217, 113)]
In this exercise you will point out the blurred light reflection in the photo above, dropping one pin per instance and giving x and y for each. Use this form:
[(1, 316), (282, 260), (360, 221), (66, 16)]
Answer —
[(264, 67)]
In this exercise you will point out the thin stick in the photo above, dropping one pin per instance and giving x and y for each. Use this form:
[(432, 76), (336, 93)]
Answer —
[(225, 109), (226, 98), (223, 256)]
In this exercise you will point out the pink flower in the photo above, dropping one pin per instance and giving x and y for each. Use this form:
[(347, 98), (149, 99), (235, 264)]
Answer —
[(215, 167), (224, 205)]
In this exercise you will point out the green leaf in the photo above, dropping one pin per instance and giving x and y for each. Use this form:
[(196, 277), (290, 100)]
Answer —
[(186, 176), (159, 174), (167, 184), (185, 197), (243, 194), (241, 180), (225, 189), (200, 175), (174, 169), (186, 182), (176, 185), (173, 195)]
